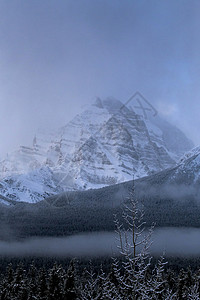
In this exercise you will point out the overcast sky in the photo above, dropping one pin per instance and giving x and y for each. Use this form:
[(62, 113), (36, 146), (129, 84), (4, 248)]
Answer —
[(56, 56)]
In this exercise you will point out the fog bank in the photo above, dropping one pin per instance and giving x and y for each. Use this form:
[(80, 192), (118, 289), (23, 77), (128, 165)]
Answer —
[(170, 241)]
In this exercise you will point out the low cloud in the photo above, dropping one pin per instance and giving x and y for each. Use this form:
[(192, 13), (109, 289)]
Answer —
[(170, 241)]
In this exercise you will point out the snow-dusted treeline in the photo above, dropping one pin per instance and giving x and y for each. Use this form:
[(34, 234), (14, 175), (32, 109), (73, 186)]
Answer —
[(60, 284), (135, 278)]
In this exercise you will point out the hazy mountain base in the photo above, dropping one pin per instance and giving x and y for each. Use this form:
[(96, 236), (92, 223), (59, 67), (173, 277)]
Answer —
[(94, 210)]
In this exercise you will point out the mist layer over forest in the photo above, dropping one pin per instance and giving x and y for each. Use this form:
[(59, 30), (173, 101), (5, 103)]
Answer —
[(171, 241)]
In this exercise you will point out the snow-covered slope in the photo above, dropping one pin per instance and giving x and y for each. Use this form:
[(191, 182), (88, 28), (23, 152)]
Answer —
[(106, 144), (31, 186), (182, 179), (188, 170)]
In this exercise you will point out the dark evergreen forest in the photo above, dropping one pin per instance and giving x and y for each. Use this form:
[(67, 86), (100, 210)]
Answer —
[(86, 282)]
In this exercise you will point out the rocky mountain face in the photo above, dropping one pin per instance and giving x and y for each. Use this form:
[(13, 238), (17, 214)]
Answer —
[(106, 144)]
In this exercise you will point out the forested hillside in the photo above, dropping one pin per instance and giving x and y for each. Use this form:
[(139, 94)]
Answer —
[(93, 210)]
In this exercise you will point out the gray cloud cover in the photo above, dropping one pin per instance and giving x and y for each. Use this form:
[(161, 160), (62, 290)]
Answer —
[(57, 55)]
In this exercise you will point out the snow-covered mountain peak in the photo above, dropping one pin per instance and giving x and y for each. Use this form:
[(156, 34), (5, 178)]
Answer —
[(98, 103), (112, 105), (105, 144)]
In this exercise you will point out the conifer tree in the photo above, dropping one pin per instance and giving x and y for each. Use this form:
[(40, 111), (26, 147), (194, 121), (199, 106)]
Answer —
[(193, 294), (32, 276), (70, 290), (55, 283), (18, 282), (42, 285), (9, 274), (170, 278), (181, 285), (89, 284)]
